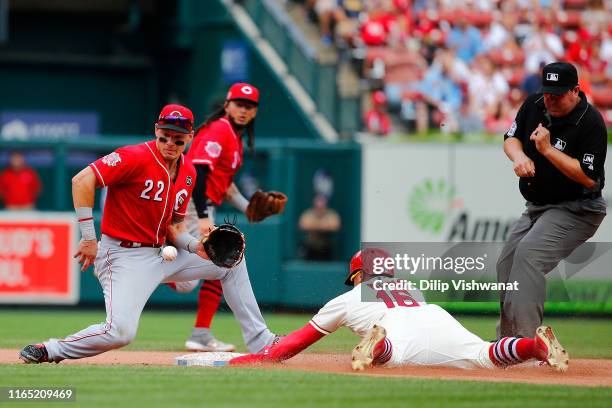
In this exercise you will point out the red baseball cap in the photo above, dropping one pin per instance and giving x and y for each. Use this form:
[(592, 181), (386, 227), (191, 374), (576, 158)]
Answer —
[(242, 90), (379, 98), (175, 117)]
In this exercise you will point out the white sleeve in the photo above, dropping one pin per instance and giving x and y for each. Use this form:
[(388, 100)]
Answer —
[(331, 316)]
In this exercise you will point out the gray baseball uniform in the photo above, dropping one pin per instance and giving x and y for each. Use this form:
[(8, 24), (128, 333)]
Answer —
[(129, 276)]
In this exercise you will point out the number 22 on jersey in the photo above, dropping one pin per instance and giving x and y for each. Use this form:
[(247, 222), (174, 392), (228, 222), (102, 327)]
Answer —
[(149, 185)]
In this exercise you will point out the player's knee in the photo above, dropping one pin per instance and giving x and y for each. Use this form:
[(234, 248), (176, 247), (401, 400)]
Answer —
[(122, 335)]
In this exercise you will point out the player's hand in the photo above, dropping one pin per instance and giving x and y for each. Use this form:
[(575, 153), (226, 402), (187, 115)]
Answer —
[(541, 137), (205, 226), (86, 253), (523, 166)]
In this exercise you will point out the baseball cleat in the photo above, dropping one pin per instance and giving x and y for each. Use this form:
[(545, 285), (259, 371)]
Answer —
[(550, 350), (34, 354), (363, 353), (211, 344)]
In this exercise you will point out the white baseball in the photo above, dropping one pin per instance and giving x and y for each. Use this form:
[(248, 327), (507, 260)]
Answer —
[(169, 253)]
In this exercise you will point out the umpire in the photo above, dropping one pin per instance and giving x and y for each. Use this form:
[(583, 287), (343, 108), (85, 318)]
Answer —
[(557, 145)]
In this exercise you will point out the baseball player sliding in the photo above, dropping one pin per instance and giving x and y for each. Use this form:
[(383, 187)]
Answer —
[(400, 330), (217, 154), (149, 186)]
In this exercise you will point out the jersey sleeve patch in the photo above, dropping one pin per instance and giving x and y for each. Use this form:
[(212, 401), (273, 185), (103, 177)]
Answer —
[(111, 159), (512, 129), (213, 149)]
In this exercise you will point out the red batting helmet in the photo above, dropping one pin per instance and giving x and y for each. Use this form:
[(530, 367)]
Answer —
[(367, 256)]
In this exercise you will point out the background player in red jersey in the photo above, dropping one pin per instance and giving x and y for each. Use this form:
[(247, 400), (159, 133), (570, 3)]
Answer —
[(217, 154), (149, 186)]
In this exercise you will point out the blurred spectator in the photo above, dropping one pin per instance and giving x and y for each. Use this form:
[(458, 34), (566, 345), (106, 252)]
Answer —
[(19, 184), (487, 88), (328, 14), (468, 122), (579, 49), (500, 31), (465, 39), (533, 81), (440, 96), (320, 224), (377, 120), (596, 66), (543, 45)]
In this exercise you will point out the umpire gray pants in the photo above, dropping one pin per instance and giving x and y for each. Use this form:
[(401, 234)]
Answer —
[(542, 237)]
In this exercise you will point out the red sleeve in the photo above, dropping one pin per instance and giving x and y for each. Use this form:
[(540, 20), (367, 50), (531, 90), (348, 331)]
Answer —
[(289, 346), (210, 146), (115, 167)]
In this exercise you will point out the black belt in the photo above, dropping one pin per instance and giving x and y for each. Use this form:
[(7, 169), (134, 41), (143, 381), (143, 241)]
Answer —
[(130, 244), (589, 196)]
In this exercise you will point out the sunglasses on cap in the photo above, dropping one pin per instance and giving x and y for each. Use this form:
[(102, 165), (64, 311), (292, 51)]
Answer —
[(178, 121), (165, 140)]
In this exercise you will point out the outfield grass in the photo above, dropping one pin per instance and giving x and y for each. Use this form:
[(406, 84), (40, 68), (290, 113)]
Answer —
[(150, 386)]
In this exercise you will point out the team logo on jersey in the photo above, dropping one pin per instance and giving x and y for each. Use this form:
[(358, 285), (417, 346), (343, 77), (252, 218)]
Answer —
[(189, 180), (111, 159), (213, 149), (236, 159), (589, 159), (512, 129), (559, 144), (180, 199)]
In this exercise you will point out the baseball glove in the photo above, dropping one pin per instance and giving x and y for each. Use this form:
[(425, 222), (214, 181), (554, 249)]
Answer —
[(225, 245), (264, 204)]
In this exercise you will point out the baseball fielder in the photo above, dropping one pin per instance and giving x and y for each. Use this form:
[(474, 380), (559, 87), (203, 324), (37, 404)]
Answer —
[(402, 329), (217, 154), (149, 186)]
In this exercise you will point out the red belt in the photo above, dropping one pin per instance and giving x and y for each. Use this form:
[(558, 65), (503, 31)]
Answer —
[(130, 244)]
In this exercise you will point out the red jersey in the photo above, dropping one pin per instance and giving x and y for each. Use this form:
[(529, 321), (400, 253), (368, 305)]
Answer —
[(19, 187), (141, 197), (377, 123), (219, 147)]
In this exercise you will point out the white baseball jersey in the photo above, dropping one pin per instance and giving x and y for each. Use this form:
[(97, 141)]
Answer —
[(420, 333)]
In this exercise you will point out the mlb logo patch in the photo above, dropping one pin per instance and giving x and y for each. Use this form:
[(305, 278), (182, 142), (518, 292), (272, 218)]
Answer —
[(552, 76), (559, 144)]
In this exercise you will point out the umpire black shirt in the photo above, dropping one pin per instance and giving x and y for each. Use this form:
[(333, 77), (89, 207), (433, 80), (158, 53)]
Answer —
[(581, 134)]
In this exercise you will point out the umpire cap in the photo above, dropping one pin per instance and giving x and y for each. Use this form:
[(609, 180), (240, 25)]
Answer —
[(558, 78)]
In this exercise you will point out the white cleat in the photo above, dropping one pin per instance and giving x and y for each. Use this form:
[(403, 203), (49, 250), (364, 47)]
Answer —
[(198, 344), (362, 355), (552, 351)]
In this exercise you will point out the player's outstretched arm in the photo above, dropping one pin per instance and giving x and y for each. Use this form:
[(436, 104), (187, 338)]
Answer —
[(236, 199), (287, 347), (178, 235), (83, 195)]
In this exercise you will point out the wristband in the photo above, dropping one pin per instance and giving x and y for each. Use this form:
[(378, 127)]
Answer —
[(187, 242), (86, 223)]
